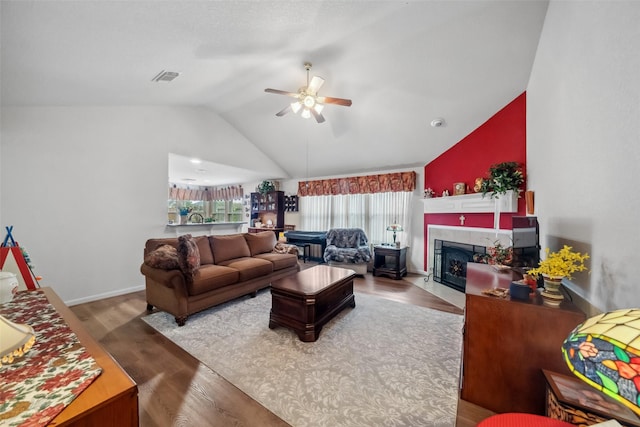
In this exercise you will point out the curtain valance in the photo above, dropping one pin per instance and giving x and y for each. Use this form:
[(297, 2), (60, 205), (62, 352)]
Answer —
[(206, 194), (382, 183)]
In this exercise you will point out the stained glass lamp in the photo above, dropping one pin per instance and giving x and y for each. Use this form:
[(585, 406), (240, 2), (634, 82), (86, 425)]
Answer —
[(395, 228), (15, 340), (604, 351)]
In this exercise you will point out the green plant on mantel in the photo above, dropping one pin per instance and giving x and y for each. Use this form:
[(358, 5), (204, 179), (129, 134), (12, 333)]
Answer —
[(503, 177), (266, 186)]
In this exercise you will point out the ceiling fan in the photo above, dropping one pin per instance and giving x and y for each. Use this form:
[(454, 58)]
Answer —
[(308, 101)]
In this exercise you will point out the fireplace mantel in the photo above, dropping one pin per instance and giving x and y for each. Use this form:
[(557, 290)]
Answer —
[(472, 203)]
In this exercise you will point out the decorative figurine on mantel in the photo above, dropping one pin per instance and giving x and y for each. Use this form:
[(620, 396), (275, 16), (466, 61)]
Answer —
[(429, 193), (445, 193)]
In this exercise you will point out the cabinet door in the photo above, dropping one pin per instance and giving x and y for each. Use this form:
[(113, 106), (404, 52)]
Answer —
[(506, 346)]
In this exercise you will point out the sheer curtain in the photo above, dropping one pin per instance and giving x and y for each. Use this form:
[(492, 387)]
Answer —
[(371, 212), (386, 209)]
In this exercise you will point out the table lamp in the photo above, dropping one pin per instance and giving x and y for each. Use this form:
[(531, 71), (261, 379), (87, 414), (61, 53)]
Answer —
[(604, 352), (395, 228), (15, 340)]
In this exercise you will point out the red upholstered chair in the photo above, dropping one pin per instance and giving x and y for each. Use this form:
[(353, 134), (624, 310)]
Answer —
[(521, 420)]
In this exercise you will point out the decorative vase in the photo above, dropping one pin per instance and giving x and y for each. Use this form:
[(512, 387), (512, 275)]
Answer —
[(184, 219), (552, 294), (8, 286)]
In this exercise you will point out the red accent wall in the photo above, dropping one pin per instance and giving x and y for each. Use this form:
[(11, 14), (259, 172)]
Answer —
[(502, 138)]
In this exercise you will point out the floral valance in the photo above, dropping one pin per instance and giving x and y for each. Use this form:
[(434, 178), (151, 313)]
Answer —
[(382, 183), (206, 194)]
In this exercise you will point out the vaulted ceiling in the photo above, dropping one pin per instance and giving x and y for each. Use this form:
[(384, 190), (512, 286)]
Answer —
[(403, 63)]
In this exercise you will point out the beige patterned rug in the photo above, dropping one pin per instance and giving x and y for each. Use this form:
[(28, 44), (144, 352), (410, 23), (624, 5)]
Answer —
[(382, 363)]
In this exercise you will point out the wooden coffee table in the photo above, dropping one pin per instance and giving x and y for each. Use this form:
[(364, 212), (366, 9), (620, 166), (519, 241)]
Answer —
[(307, 300)]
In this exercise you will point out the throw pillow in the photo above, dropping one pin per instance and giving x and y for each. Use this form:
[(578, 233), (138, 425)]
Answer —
[(283, 248), (188, 256), (164, 257)]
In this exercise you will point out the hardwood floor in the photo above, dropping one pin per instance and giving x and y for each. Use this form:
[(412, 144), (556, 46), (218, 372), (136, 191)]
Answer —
[(176, 390)]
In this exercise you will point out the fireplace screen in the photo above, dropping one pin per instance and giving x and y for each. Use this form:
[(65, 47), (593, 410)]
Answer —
[(450, 262)]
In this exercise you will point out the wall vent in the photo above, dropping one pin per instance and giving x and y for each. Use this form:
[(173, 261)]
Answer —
[(165, 76)]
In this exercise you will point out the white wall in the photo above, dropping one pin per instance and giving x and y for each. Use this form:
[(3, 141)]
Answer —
[(85, 187), (583, 148)]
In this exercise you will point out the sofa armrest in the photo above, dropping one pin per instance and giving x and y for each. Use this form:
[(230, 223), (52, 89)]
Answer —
[(169, 278), (365, 253)]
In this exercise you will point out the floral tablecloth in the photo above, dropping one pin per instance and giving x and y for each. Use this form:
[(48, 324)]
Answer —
[(38, 386)]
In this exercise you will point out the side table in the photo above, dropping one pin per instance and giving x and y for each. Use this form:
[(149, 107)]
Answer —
[(390, 261), (576, 402)]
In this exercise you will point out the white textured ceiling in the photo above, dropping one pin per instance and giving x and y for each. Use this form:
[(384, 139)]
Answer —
[(403, 63)]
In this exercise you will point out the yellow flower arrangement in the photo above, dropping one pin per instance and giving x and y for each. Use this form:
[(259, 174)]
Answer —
[(561, 263)]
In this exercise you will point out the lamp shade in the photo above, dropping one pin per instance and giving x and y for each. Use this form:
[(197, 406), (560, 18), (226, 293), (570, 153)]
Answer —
[(604, 351), (394, 227), (15, 340)]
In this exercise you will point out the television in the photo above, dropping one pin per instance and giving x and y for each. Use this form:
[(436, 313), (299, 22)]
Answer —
[(525, 242)]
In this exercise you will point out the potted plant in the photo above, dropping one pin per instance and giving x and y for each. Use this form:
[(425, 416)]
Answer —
[(503, 177), (554, 268), (266, 186), (500, 256), (562, 263), (184, 211)]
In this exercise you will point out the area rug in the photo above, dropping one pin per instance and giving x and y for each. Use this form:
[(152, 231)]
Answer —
[(381, 363)]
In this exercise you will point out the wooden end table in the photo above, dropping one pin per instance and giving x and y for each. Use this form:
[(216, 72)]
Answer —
[(307, 300), (390, 261)]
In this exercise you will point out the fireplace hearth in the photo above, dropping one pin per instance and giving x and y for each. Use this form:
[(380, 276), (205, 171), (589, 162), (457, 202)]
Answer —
[(450, 262)]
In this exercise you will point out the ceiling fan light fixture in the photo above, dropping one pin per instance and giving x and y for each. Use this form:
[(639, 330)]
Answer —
[(309, 101), (296, 106)]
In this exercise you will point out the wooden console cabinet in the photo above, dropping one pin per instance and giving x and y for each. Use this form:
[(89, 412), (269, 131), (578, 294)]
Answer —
[(507, 344), (112, 399)]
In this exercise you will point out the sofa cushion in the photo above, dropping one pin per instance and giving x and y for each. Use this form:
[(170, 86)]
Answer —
[(248, 267), (188, 256), (260, 243), (164, 257), (210, 276), (226, 247), (206, 256), (280, 261)]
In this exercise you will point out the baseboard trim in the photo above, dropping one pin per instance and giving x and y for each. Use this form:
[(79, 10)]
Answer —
[(97, 297)]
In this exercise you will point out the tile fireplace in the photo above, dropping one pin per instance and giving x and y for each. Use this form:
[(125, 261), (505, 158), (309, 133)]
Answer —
[(451, 247), (450, 262)]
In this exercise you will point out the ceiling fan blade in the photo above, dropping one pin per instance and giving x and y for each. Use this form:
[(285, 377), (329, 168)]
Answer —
[(282, 92), (330, 100), (319, 117), (315, 85), (284, 111)]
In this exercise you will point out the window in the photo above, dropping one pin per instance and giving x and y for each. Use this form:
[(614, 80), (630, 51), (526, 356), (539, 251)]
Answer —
[(211, 211), (371, 212), (226, 210)]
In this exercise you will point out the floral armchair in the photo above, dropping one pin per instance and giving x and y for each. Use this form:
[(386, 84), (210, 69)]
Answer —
[(347, 245)]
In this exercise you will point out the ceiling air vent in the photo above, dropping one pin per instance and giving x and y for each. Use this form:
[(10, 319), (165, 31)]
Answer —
[(165, 76)]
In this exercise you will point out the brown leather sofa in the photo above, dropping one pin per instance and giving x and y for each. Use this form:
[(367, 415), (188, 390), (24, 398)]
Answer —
[(230, 266)]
